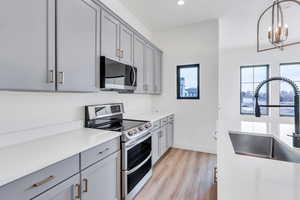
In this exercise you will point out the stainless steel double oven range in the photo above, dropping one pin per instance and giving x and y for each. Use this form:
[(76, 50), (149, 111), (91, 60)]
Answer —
[(135, 141)]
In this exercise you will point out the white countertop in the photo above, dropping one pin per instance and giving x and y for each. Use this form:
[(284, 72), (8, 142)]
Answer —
[(23, 159), (249, 178), (151, 116)]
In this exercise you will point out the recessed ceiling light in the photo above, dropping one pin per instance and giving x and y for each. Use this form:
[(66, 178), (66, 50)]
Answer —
[(180, 2)]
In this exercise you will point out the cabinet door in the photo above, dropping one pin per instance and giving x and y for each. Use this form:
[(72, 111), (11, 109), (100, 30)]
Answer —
[(102, 180), (138, 52), (157, 71), (109, 36), (155, 146), (169, 135), (27, 45), (149, 69), (163, 141), (126, 45), (67, 190), (78, 45)]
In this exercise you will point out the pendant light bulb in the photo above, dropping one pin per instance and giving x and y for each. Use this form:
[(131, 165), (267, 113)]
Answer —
[(180, 2)]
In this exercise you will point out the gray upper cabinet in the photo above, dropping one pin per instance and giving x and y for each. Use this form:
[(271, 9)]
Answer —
[(110, 36), (157, 71), (149, 69), (68, 190), (102, 180), (138, 62), (78, 45), (27, 50), (126, 45)]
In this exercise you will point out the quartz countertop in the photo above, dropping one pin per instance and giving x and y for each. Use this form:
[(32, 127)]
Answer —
[(249, 178), (23, 159), (151, 116)]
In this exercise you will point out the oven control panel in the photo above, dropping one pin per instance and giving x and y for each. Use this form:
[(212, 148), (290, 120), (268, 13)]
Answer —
[(139, 131)]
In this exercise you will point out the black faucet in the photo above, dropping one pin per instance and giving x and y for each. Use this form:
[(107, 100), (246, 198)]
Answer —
[(296, 135)]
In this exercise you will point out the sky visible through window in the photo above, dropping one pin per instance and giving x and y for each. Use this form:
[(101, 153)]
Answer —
[(291, 71), (188, 77), (251, 76)]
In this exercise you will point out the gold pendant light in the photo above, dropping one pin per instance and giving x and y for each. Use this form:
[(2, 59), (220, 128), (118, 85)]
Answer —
[(278, 32)]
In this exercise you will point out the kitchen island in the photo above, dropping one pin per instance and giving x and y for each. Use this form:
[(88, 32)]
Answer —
[(251, 178)]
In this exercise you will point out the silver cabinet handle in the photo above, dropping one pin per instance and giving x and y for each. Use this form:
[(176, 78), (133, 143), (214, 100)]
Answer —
[(42, 182), (61, 77), (85, 180), (118, 53), (77, 192), (101, 152), (122, 53), (51, 78)]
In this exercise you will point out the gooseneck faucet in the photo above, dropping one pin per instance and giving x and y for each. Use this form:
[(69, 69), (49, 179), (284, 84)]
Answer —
[(296, 135)]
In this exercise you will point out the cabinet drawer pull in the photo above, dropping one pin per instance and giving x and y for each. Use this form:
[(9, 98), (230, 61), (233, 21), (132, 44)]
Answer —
[(46, 180), (101, 152), (77, 192), (85, 185)]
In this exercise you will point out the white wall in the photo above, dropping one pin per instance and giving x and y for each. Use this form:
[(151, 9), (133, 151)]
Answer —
[(195, 119), (238, 48)]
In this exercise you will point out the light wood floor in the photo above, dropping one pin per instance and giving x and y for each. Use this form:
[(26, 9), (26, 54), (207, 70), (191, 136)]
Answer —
[(182, 175)]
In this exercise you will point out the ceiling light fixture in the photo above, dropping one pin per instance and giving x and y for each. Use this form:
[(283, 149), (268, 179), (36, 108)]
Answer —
[(278, 31), (180, 2)]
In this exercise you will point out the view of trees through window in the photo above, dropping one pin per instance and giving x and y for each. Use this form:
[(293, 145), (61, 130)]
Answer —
[(188, 82), (291, 71), (251, 76)]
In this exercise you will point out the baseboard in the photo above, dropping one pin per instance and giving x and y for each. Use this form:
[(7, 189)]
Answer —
[(204, 149)]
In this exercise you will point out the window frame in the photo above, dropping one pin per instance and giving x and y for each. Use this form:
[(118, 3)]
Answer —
[(292, 63), (268, 91), (178, 81)]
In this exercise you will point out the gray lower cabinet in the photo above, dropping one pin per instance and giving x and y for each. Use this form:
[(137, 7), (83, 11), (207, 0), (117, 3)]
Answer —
[(67, 190), (27, 50), (162, 137), (138, 62), (102, 180), (149, 69), (170, 134), (155, 145), (163, 140), (110, 36), (78, 45)]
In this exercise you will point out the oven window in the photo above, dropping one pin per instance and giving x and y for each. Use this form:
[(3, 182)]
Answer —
[(138, 153), (134, 178)]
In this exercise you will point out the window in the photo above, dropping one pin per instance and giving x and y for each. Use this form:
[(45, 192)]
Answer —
[(188, 82), (291, 71), (251, 76)]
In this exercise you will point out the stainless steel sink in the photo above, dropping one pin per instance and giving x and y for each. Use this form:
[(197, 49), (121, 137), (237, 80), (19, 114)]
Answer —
[(262, 147)]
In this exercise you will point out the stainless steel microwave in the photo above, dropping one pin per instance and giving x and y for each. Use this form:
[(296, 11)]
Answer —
[(117, 76)]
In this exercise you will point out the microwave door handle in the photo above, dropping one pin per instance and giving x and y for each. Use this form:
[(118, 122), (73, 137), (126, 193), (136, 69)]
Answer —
[(134, 76), (130, 76)]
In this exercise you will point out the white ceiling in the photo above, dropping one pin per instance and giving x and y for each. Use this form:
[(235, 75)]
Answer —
[(165, 14)]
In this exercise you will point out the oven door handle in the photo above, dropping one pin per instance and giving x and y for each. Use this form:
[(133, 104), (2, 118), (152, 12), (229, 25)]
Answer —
[(140, 165)]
